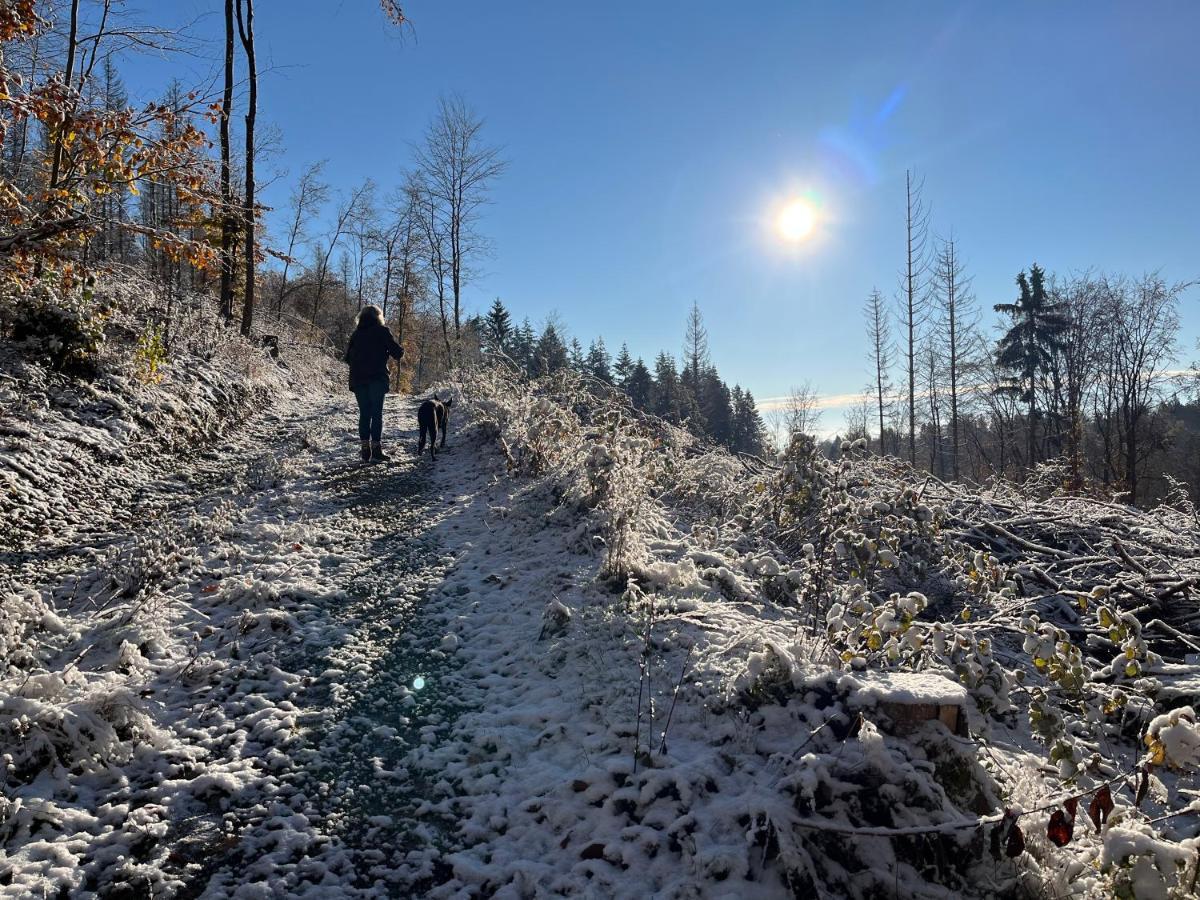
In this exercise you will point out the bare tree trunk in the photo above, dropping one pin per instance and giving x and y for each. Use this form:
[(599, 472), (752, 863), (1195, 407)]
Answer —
[(881, 354), (68, 74), (246, 30), (916, 222), (226, 187)]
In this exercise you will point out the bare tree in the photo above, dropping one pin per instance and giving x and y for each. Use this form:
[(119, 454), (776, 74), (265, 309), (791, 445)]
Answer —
[(1081, 299), (879, 350), (932, 365), (309, 195), (246, 32), (400, 242), (457, 169), (801, 410), (857, 421), (345, 215), (436, 242), (1144, 319), (959, 340), (363, 230), (1002, 409), (68, 74), (913, 299)]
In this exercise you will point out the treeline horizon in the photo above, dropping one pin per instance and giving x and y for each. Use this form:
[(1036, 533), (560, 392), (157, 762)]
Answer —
[(692, 395)]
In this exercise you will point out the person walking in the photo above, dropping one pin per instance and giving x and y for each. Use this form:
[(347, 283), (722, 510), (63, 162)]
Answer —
[(370, 346)]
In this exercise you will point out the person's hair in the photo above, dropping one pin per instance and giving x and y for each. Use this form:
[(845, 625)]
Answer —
[(370, 313)]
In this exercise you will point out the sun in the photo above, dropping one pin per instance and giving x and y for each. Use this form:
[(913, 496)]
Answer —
[(796, 221)]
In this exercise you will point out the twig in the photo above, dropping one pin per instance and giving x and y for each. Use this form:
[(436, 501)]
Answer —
[(675, 696)]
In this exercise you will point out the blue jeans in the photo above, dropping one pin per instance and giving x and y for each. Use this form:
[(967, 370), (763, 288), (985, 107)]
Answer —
[(370, 409)]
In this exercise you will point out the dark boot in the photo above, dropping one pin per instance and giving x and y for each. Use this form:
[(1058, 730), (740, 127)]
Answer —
[(377, 451), (366, 451)]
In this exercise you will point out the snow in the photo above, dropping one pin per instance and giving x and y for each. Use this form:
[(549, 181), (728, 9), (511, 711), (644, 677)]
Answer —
[(558, 661), (905, 688)]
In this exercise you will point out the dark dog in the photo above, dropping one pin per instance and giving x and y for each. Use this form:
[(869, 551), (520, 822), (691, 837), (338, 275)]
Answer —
[(433, 416)]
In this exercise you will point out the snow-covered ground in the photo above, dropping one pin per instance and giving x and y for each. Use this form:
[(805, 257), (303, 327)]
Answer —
[(562, 660)]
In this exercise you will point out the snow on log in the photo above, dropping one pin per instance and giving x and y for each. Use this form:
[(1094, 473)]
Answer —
[(910, 699)]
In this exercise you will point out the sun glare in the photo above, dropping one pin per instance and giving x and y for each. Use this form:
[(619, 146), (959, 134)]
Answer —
[(796, 221)]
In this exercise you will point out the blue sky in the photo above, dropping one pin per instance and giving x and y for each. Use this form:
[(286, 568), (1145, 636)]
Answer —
[(648, 143)]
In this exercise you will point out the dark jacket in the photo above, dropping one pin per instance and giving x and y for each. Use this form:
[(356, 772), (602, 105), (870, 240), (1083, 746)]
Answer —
[(368, 352)]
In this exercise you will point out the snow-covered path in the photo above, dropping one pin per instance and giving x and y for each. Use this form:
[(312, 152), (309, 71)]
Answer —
[(257, 606)]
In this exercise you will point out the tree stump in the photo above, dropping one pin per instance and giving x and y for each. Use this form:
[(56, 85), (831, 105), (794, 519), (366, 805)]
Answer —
[(909, 700)]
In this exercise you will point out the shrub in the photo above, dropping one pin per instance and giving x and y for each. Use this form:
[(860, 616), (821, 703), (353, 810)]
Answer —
[(64, 328)]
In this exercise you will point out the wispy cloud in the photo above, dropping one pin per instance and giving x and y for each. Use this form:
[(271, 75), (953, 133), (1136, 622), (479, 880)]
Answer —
[(829, 401)]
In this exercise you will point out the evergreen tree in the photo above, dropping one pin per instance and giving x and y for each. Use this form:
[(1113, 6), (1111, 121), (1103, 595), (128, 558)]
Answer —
[(623, 367), (1027, 349), (716, 406), (695, 350), (639, 385), (522, 343), (749, 433), (667, 392), (550, 353), (598, 364), (497, 329), (575, 356)]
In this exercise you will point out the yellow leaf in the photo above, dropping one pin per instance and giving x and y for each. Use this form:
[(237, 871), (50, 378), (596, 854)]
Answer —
[(1158, 753)]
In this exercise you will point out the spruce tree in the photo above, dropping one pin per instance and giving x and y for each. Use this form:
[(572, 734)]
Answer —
[(716, 405), (575, 356), (639, 385), (550, 353), (598, 364), (522, 342), (1027, 349), (623, 367), (497, 330), (667, 401), (749, 433)]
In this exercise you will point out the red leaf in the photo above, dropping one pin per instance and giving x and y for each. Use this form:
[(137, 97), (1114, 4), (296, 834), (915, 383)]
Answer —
[(1016, 842), (209, 589), (1071, 806), (1100, 807), (1060, 829), (297, 547)]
